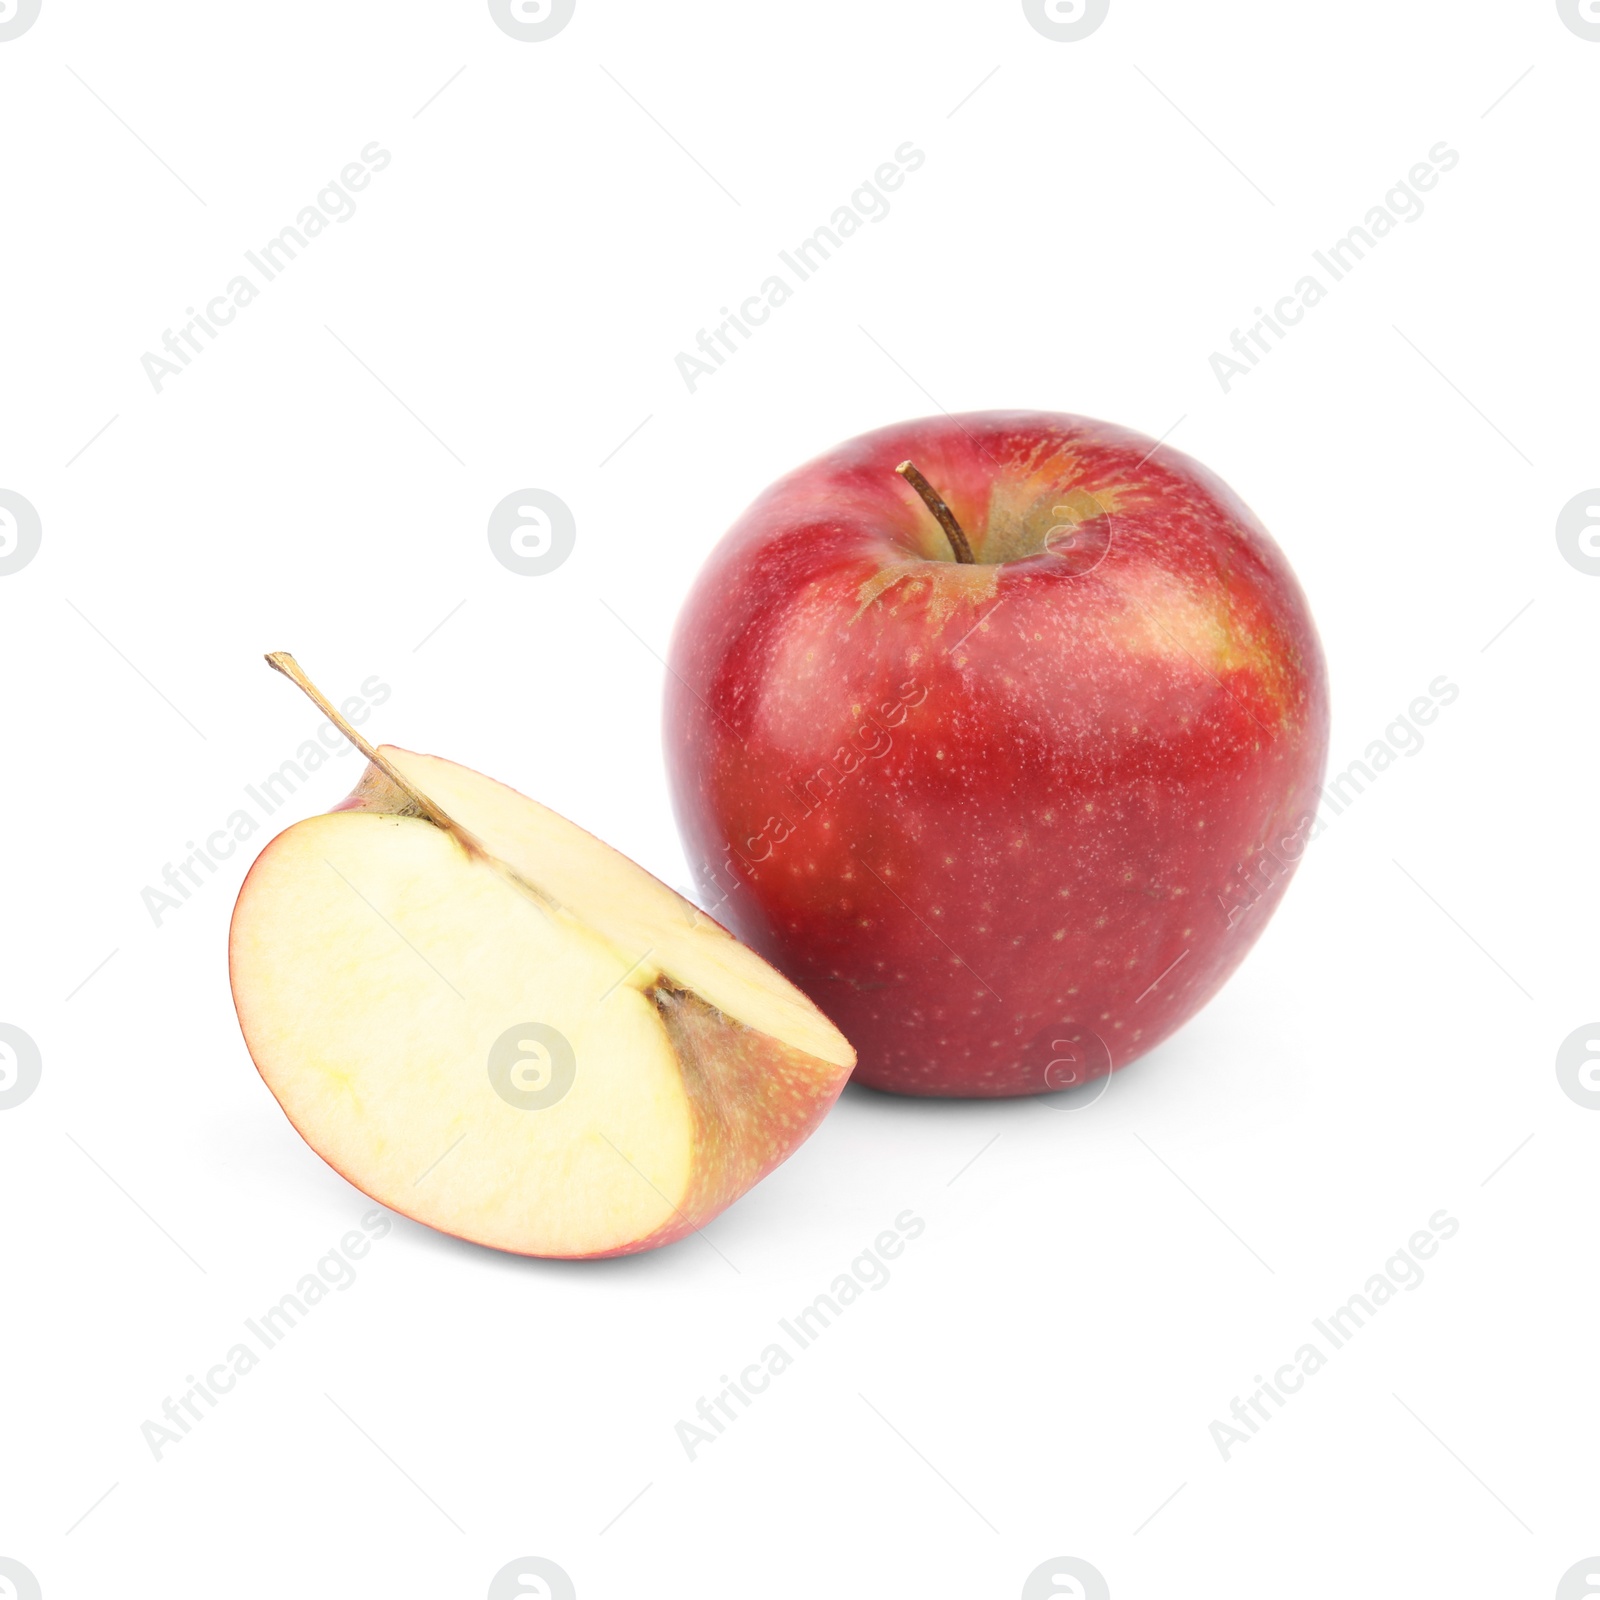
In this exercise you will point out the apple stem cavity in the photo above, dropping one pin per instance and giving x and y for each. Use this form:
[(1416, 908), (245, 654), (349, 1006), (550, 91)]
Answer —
[(942, 514), (282, 661)]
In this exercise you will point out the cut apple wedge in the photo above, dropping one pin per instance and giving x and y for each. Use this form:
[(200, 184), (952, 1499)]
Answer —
[(490, 1021)]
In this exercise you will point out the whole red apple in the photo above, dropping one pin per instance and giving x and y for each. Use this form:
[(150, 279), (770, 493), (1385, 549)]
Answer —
[(1000, 735)]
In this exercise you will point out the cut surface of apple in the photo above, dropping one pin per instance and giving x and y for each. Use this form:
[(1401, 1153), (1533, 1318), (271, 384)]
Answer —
[(494, 1023)]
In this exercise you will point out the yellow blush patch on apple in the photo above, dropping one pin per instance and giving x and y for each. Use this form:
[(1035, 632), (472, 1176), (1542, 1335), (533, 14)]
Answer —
[(1022, 518), (1167, 618), (1048, 488), (943, 588)]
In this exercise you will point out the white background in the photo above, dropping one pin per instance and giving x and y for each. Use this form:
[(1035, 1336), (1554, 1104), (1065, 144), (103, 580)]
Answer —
[(1093, 1287)]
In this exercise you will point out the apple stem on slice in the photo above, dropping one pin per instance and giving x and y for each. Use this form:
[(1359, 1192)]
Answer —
[(282, 661), (942, 514)]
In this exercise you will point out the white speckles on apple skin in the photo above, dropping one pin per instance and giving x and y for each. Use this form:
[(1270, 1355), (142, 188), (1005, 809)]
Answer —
[(1042, 841)]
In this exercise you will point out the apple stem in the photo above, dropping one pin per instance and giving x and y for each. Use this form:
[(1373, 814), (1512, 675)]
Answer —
[(942, 514), (282, 661)]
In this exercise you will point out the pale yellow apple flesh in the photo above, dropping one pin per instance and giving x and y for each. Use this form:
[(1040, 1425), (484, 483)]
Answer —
[(489, 1020)]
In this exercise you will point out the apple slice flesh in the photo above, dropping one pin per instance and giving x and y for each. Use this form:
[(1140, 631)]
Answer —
[(507, 1030), (636, 912)]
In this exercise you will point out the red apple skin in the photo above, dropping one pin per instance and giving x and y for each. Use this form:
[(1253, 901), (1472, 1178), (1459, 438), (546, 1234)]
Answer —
[(1012, 823)]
